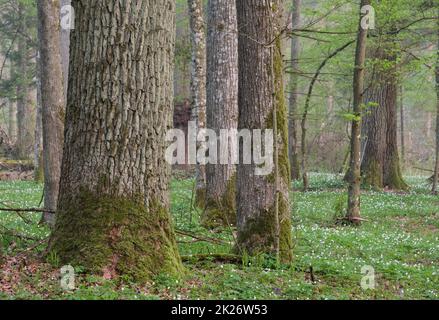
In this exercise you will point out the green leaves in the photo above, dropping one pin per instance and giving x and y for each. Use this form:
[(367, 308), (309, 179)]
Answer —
[(351, 117)]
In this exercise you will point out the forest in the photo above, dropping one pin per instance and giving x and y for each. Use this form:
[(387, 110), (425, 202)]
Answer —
[(219, 150)]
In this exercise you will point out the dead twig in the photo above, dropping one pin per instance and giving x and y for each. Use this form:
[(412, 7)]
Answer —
[(31, 210), (216, 257), (198, 237)]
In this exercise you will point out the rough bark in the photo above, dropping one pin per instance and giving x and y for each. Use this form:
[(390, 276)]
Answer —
[(222, 108), (263, 221), (392, 175), (198, 85), (380, 167), (353, 213), (294, 96), (113, 208), (52, 99)]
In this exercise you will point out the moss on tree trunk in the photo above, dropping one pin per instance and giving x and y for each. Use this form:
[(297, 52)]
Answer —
[(114, 235)]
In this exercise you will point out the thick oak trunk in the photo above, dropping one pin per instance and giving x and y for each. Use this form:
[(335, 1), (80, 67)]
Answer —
[(113, 209), (380, 167), (264, 221), (222, 108)]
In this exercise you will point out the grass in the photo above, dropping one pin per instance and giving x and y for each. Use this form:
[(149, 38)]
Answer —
[(400, 240)]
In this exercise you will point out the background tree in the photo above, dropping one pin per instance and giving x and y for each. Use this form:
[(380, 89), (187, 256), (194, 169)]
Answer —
[(68, 17), (17, 73), (222, 107), (353, 213), (198, 85), (52, 100), (294, 92), (263, 221), (381, 166), (112, 215), (25, 95)]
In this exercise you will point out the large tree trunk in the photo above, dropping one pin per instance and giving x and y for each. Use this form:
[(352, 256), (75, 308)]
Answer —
[(198, 85), (222, 108), (53, 100), (380, 167), (294, 96), (25, 141), (392, 174), (353, 213), (263, 221), (113, 208)]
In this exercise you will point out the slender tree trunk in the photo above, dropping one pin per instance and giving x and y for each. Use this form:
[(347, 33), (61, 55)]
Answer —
[(436, 167), (64, 49), (294, 96), (402, 124), (12, 112), (12, 128), (52, 99), (353, 213), (38, 145), (380, 167), (113, 208), (264, 221), (222, 108), (198, 85), (24, 144)]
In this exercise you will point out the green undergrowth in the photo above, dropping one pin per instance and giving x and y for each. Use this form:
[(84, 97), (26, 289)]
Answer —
[(399, 239)]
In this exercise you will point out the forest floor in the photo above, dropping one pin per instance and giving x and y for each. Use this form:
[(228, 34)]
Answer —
[(400, 240)]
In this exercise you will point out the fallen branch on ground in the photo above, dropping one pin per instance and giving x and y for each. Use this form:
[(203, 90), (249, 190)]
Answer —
[(216, 257), (423, 169), (200, 238), (31, 210)]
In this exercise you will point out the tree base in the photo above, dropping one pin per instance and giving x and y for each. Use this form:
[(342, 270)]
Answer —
[(260, 235), (221, 212), (115, 236)]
